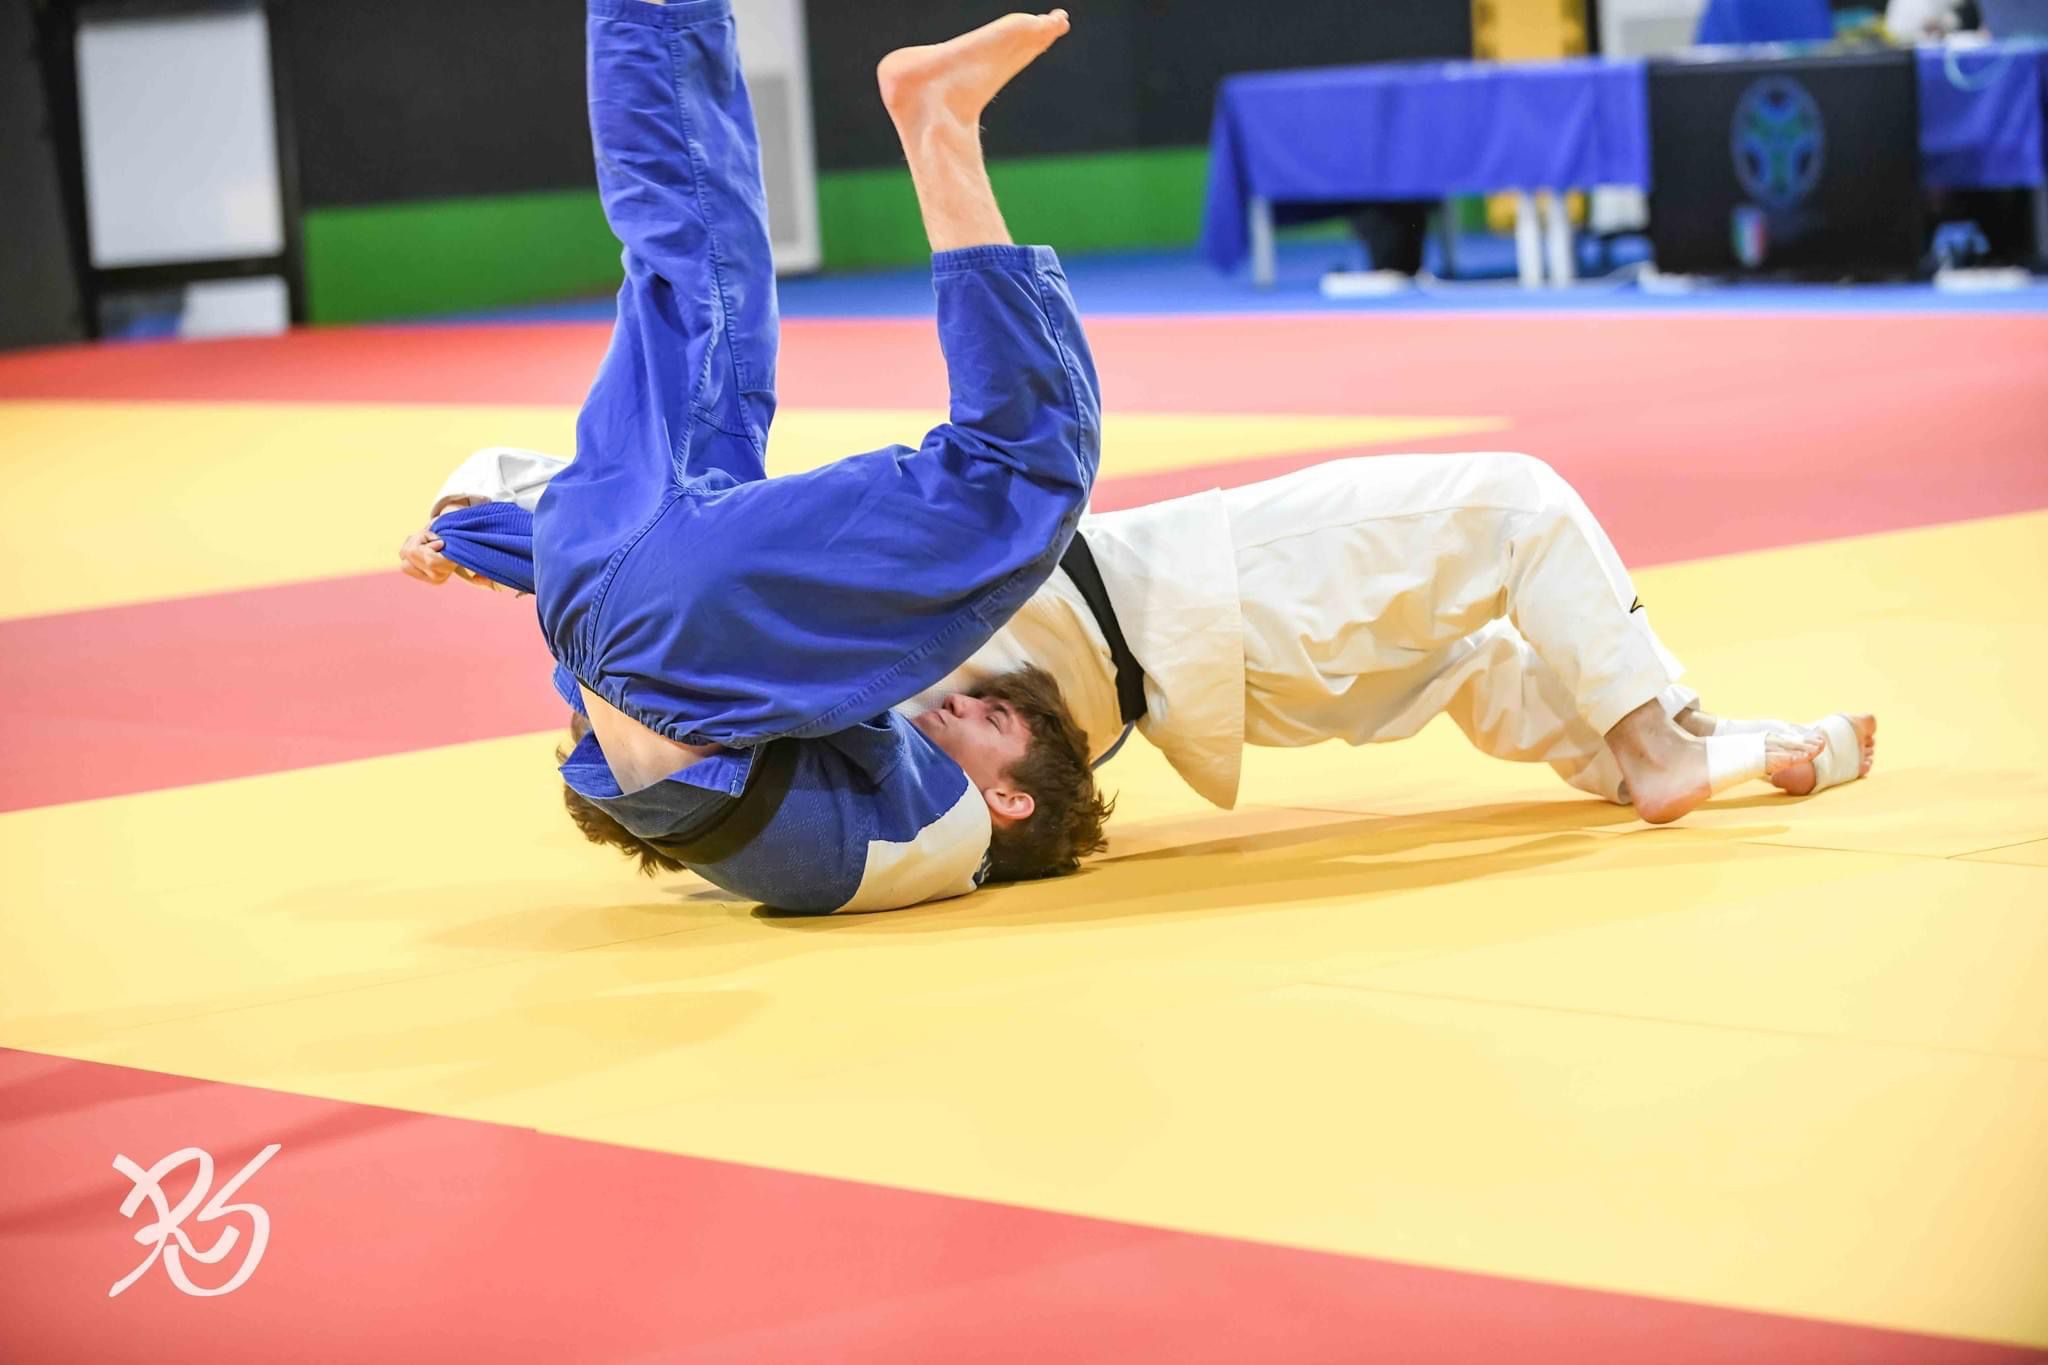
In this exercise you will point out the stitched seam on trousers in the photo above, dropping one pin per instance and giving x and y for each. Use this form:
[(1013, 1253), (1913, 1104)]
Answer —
[(1093, 434), (709, 418), (698, 176)]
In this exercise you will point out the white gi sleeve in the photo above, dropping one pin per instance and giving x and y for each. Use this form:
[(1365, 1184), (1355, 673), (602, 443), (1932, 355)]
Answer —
[(500, 474)]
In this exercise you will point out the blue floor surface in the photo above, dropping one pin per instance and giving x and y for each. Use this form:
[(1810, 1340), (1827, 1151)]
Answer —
[(1179, 282)]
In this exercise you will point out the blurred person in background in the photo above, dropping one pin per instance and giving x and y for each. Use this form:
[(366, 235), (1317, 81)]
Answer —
[(1928, 21)]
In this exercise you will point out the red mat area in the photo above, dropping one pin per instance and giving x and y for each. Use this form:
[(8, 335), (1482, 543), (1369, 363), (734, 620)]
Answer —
[(1688, 436), (198, 689), (389, 1230)]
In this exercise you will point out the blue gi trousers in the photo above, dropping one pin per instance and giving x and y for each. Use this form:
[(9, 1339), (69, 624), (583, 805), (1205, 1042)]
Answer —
[(676, 580)]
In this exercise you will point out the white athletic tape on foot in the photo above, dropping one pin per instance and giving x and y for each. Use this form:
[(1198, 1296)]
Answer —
[(1733, 760), (1724, 725), (1842, 760)]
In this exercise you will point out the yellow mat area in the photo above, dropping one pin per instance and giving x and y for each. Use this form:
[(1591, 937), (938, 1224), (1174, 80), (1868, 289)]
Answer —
[(1409, 1003), (188, 498)]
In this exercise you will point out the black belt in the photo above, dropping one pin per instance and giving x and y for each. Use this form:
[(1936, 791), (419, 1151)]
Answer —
[(767, 784), (1079, 562)]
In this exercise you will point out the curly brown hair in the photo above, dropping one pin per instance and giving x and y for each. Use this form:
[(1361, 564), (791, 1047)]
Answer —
[(598, 826), (1065, 824)]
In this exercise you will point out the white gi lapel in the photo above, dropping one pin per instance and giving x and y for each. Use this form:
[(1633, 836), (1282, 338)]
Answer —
[(1171, 573)]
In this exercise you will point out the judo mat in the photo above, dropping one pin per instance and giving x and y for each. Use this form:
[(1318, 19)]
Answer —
[(1415, 1057)]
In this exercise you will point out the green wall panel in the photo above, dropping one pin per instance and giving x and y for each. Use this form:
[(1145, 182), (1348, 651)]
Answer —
[(1091, 202), (438, 256)]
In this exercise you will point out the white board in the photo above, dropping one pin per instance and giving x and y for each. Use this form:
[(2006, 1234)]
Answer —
[(180, 139), (774, 56)]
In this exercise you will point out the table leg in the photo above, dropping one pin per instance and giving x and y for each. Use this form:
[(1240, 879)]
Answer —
[(1528, 242), (1557, 238), (2041, 222), (1265, 263)]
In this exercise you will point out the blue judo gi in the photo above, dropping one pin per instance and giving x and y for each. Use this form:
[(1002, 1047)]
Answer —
[(782, 618)]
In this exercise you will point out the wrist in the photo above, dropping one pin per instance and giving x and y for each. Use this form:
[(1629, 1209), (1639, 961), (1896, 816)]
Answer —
[(450, 503)]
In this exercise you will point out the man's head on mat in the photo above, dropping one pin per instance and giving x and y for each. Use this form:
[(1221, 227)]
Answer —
[(1017, 743), (1021, 748)]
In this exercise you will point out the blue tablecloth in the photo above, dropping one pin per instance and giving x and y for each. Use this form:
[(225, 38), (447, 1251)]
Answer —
[(1422, 131), (1981, 118), (1418, 131)]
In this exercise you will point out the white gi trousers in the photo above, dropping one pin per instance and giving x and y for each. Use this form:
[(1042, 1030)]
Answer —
[(1379, 593)]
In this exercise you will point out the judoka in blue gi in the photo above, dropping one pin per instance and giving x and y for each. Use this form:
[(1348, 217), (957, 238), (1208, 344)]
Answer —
[(736, 642)]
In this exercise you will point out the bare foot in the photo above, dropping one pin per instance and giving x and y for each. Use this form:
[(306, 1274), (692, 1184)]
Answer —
[(1679, 783), (955, 80), (1798, 779)]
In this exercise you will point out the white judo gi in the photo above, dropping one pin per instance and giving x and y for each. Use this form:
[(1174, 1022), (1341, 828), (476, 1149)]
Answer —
[(1357, 600), (1352, 600)]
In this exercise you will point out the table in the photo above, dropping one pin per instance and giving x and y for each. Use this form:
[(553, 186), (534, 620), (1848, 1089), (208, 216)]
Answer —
[(1285, 146)]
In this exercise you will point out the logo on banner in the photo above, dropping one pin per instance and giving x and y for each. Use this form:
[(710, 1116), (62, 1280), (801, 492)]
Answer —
[(1779, 142), (166, 1238)]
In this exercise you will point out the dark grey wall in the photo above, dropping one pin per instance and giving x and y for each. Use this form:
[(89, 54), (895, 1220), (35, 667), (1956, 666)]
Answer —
[(1135, 73), (38, 290), (397, 100), (436, 99), (412, 99)]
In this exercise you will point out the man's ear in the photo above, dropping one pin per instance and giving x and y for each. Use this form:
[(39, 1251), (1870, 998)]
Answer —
[(1008, 805)]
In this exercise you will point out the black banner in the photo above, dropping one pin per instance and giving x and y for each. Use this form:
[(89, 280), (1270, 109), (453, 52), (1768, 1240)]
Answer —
[(424, 99), (1135, 73), (404, 99)]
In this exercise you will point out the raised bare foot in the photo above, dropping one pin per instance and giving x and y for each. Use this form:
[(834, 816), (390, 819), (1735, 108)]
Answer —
[(956, 80), (1799, 778)]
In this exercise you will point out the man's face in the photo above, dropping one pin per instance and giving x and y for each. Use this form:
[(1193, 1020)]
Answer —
[(986, 738)]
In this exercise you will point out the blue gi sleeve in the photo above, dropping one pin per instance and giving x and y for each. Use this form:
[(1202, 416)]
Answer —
[(491, 539)]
